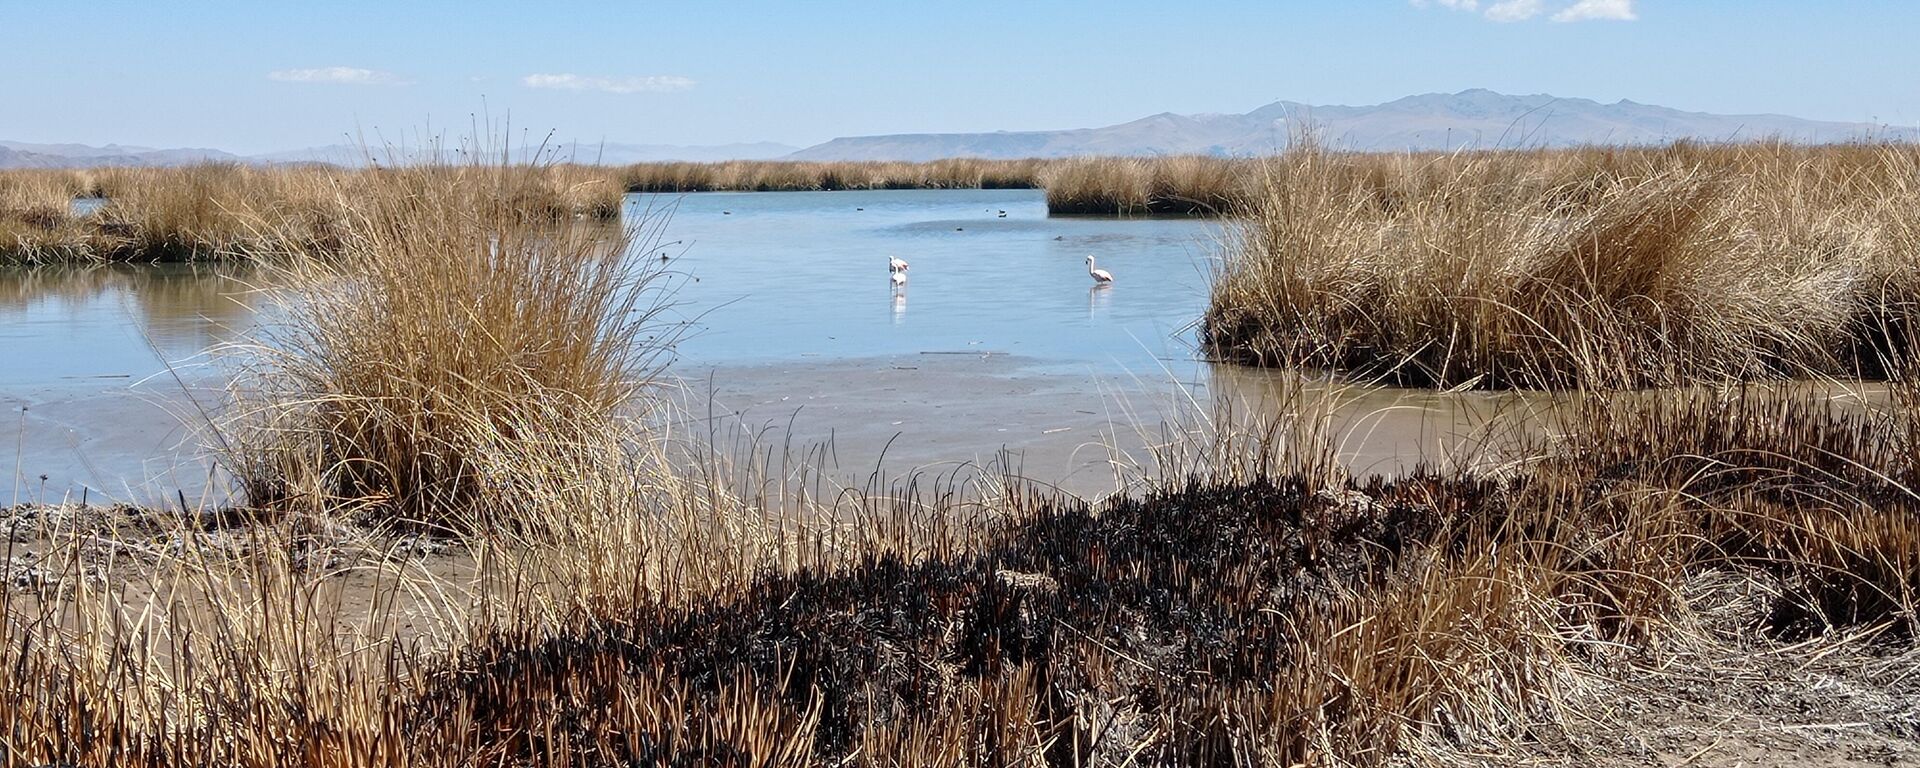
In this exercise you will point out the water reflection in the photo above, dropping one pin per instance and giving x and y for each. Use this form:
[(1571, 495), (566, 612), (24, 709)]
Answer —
[(89, 349), (83, 320), (1391, 430), (899, 304), (1097, 297)]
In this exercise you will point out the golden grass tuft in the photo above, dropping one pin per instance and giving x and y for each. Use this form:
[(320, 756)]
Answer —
[(36, 215), (1125, 186), (450, 315), (1597, 267), (234, 212)]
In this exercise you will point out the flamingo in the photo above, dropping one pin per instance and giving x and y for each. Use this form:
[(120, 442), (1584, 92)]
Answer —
[(1100, 276), (894, 264), (899, 279)]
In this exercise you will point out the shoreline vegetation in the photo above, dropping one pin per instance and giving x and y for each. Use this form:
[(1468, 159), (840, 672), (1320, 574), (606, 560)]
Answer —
[(798, 176), (217, 211), (1598, 268), (468, 534), (221, 211), (1252, 605)]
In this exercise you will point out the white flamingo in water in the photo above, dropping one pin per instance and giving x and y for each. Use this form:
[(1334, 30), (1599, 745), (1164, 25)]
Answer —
[(1100, 276), (894, 264)]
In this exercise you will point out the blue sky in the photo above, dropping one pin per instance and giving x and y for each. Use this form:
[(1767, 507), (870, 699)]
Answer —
[(253, 77)]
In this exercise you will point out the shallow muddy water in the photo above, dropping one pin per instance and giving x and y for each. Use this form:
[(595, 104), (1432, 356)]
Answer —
[(100, 368), (75, 324), (999, 340)]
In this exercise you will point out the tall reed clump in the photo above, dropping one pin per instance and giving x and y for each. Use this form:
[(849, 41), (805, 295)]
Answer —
[(449, 321), (1596, 267), (37, 222), (1107, 185), (1132, 186), (208, 211), (1196, 185), (557, 192), (232, 211), (198, 212)]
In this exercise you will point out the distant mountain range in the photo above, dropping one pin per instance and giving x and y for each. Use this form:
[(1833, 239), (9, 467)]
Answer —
[(14, 154), (1474, 118), (579, 152)]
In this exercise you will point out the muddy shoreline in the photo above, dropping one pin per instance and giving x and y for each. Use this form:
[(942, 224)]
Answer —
[(145, 442)]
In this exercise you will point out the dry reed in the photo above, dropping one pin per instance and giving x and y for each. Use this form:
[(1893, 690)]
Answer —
[(226, 211), (1184, 185), (797, 176), (1596, 267), (449, 313)]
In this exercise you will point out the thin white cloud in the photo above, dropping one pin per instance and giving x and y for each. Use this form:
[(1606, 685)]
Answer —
[(1522, 10), (347, 75), (1513, 10), (1609, 10), (572, 82)]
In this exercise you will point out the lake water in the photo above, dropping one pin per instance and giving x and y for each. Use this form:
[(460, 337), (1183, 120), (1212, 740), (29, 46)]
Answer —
[(999, 339), (782, 276)]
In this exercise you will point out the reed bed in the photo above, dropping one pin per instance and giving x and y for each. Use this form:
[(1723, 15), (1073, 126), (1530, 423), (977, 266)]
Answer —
[(227, 211), (798, 176), (1179, 185), (36, 212), (465, 542), (1596, 267), (236, 212), (1112, 186)]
